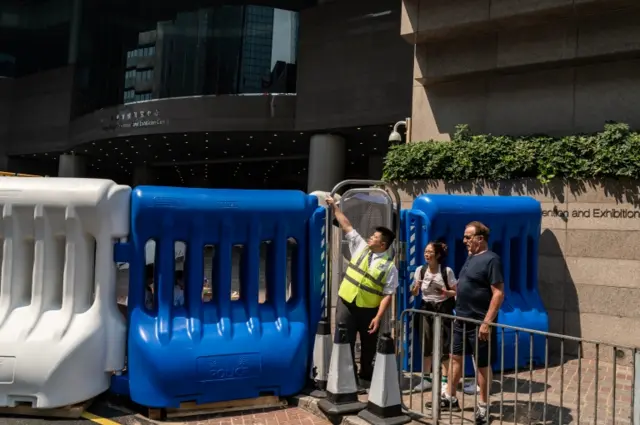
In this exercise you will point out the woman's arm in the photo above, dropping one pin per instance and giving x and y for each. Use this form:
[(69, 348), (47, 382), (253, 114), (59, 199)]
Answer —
[(451, 281), (417, 283)]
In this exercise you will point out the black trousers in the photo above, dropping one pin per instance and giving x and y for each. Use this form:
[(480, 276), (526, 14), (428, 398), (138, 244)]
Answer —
[(358, 320)]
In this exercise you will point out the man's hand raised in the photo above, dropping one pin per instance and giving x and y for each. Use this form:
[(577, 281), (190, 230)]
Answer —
[(330, 201)]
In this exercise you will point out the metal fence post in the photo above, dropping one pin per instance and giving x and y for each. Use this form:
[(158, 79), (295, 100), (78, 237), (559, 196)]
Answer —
[(436, 368), (636, 388)]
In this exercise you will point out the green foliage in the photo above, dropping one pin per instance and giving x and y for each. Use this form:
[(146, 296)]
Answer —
[(614, 152)]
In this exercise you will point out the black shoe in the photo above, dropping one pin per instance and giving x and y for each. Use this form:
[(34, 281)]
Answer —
[(446, 405)]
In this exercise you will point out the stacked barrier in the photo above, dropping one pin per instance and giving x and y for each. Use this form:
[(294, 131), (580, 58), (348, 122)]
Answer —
[(515, 224), (223, 350), (61, 335)]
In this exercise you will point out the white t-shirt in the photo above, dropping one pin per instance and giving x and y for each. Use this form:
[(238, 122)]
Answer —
[(356, 244), (432, 284)]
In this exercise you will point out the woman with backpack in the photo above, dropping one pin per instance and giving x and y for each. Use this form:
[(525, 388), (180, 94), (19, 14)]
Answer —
[(437, 285)]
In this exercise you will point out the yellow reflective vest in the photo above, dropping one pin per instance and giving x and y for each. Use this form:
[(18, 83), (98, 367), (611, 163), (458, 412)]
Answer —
[(364, 282)]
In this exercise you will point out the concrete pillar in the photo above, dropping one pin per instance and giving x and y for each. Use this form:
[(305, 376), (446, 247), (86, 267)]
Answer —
[(327, 158), (376, 165), (143, 175), (71, 166)]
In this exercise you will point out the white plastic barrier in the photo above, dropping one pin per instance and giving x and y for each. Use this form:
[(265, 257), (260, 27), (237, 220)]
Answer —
[(61, 334)]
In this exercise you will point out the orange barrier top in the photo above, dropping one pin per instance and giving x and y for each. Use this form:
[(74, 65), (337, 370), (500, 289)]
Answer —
[(10, 174)]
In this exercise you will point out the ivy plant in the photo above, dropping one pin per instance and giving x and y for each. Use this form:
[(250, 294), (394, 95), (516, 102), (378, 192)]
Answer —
[(613, 152)]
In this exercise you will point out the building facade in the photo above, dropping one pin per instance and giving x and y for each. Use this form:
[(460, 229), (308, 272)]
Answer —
[(516, 67), (276, 93)]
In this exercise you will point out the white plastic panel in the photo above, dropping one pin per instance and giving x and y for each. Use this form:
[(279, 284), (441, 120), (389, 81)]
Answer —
[(61, 334)]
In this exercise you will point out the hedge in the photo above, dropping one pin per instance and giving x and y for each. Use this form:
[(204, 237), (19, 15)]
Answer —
[(614, 152)]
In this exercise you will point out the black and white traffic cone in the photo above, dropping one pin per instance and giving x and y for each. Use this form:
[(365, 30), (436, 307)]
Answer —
[(342, 390), (385, 403), (321, 359)]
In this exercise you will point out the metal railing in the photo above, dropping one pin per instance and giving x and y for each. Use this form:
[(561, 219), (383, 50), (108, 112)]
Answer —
[(538, 377)]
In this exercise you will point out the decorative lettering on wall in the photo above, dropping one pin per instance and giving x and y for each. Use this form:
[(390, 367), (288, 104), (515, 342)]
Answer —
[(134, 119), (607, 213)]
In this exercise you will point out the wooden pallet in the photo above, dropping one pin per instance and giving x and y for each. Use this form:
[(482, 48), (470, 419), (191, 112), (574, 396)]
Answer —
[(193, 409), (73, 411)]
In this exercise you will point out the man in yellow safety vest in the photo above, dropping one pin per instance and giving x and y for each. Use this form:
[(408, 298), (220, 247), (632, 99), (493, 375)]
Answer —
[(367, 288)]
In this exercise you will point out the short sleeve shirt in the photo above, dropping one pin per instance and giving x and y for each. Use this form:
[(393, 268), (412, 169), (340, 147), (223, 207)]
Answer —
[(356, 244), (478, 274), (432, 284)]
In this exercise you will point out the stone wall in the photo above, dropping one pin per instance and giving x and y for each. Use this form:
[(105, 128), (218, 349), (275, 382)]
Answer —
[(589, 265)]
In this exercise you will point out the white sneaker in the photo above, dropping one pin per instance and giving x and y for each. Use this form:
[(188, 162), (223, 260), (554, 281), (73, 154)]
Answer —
[(443, 387), (425, 385), (470, 388)]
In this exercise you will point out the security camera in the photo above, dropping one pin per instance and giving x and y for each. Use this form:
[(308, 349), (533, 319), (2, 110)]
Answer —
[(395, 137)]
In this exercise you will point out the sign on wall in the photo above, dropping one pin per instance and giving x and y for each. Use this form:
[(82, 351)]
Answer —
[(132, 117)]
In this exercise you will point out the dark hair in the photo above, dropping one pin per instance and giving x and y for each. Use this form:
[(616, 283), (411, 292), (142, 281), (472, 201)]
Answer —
[(386, 235), (440, 249), (481, 229)]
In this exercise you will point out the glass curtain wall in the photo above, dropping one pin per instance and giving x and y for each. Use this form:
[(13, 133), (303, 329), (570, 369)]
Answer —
[(129, 56)]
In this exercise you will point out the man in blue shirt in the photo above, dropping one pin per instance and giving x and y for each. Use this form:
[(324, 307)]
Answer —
[(480, 293)]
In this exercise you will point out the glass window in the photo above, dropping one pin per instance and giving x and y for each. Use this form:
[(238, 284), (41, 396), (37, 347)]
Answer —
[(209, 51)]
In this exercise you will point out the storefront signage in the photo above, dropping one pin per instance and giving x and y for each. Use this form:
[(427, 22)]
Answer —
[(135, 118)]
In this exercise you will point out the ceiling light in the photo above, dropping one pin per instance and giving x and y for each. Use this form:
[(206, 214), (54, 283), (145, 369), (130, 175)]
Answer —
[(250, 137), (224, 152), (275, 135), (185, 135), (164, 137), (228, 138)]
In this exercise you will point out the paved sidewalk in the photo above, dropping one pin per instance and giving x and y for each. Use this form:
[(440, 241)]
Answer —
[(522, 399), (103, 413)]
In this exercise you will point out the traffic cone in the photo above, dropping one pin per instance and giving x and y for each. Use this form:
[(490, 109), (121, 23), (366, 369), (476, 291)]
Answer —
[(342, 390), (385, 403), (321, 359)]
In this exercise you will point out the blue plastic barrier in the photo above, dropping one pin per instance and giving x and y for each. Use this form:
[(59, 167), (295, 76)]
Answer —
[(515, 223), (223, 349)]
